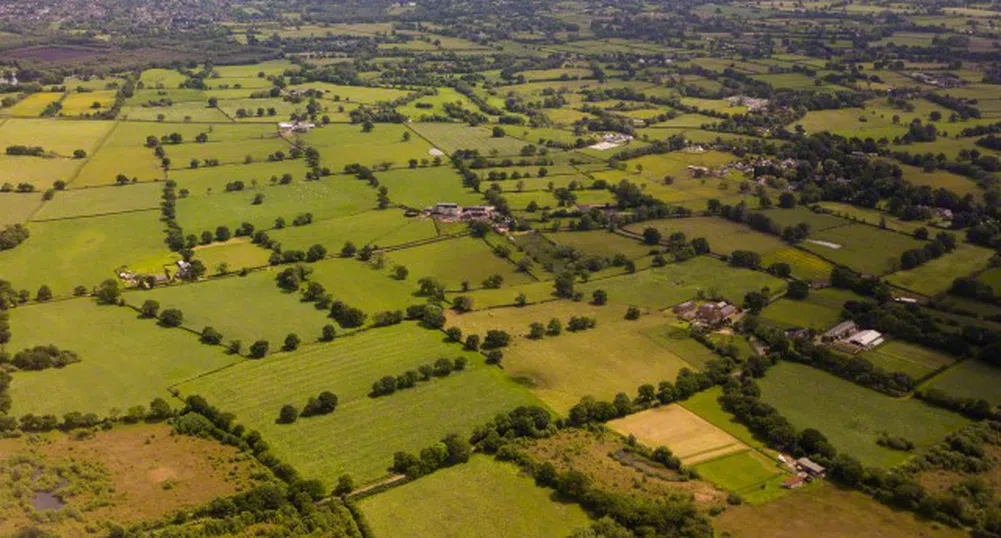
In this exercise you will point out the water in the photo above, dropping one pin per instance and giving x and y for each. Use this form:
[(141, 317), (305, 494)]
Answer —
[(47, 500)]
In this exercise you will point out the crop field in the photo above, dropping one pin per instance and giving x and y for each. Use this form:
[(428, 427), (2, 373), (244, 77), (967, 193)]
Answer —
[(706, 405), (970, 379), (675, 283), (910, 359), (852, 417), (88, 103), (937, 275), (362, 435), (148, 473), (804, 265), (455, 261), (132, 360), (33, 105), (723, 235), (855, 243), (67, 253), (472, 500), (620, 357), (689, 437)]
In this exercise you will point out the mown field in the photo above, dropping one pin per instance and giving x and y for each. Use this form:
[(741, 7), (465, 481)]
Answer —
[(915, 361), (970, 379), (361, 436), (689, 437), (476, 499), (937, 275), (724, 236)]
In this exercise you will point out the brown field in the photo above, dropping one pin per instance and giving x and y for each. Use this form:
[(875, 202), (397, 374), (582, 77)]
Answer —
[(690, 437), (53, 54), (824, 510), (145, 473), (591, 454)]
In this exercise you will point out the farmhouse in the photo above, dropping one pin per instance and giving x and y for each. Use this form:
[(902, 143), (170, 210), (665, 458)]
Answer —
[(811, 468), (711, 313), (450, 211), (684, 307)]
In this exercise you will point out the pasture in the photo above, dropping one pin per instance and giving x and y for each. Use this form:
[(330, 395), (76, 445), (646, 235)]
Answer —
[(970, 379), (449, 137), (804, 265), (343, 144), (362, 286), (74, 203), (854, 247), (706, 405), (15, 208), (852, 417), (601, 243), (361, 436), (125, 361), (471, 500), (690, 437), (424, 187), (936, 275), (913, 360), (383, 228), (38, 171), (751, 475), (458, 260), (56, 136), (724, 236)]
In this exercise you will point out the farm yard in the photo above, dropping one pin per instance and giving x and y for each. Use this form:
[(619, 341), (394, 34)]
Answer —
[(408, 269)]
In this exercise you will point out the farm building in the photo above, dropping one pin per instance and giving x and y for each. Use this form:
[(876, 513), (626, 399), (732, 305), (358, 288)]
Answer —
[(867, 339), (793, 482), (449, 211), (811, 468), (295, 126), (711, 313), (841, 330), (686, 306)]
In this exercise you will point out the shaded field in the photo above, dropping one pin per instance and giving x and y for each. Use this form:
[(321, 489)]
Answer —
[(724, 236), (856, 241), (970, 379), (475, 499), (936, 276)]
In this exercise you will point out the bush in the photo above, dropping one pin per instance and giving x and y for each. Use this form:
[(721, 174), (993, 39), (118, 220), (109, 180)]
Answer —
[(171, 317)]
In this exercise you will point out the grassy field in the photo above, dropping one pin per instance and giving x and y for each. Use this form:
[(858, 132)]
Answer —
[(936, 276), (970, 379), (791, 217), (235, 253), (148, 473), (457, 260), (425, 187), (675, 283), (706, 405), (673, 337), (449, 137), (343, 144), (40, 172), (234, 307), (365, 287), (601, 243), (16, 208), (362, 435), (852, 417), (856, 243), (384, 228), (724, 236), (61, 137), (825, 510), (619, 356), (66, 253), (690, 437), (476, 499), (125, 361), (748, 473), (916, 361), (88, 202)]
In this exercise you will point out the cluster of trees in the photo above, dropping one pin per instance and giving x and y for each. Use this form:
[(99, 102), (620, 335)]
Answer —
[(971, 288), (38, 357), (943, 243), (424, 373), (21, 188), (760, 221), (19, 150), (453, 449), (12, 236), (158, 410), (975, 408), (323, 404), (347, 316)]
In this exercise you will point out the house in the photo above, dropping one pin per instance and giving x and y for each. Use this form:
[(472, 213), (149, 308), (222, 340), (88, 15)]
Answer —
[(841, 330), (792, 482), (477, 212), (713, 313), (866, 339), (445, 210), (727, 311), (811, 468), (686, 306), (295, 126)]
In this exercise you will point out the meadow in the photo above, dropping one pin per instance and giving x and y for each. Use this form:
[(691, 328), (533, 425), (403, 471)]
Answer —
[(601, 243), (751, 475), (475, 499), (131, 359), (457, 260), (936, 275), (424, 187), (724, 236), (73, 203), (384, 228), (915, 361), (38, 171), (790, 313), (970, 379), (855, 247), (363, 286), (690, 437), (342, 144), (852, 417), (59, 137), (361, 436), (15, 208), (804, 265)]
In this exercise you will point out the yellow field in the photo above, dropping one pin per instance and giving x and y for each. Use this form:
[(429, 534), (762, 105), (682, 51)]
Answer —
[(691, 438), (804, 265)]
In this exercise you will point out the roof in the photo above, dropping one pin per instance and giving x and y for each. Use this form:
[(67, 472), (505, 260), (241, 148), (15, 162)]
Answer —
[(810, 465), (840, 328), (866, 337)]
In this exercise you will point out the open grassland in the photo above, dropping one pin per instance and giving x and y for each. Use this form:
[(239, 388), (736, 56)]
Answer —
[(799, 214), (940, 179), (970, 379), (871, 216), (60, 137), (825, 510), (706, 405), (343, 144), (190, 111), (601, 243), (181, 155), (128, 474), (101, 201), (66, 253), (361, 436), (40, 172), (820, 310), (383, 228), (362, 286), (257, 175), (937, 275), (335, 196), (915, 361), (616, 356), (475, 499), (603, 456), (353, 94), (724, 236), (690, 437), (674, 337), (856, 242), (32, 105), (488, 298), (455, 261), (852, 417), (15, 208), (246, 308), (677, 282), (124, 362), (102, 168), (424, 187), (235, 253), (449, 137), (748, 473)]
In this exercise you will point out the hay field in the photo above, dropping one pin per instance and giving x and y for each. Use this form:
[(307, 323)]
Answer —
[(690, 437)]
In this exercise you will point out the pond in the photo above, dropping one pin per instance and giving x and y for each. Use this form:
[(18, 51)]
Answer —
[(48, 500)]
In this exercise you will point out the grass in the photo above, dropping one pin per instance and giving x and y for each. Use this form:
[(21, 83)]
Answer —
[(124, 362), (59, 136), (384, 228), (362, 286), (724, 236), (452, 136), (475, 499), (789, 313), (675, 283), (991, 277), (362, 435), (676, 340), (235, 253), (826, 510), (706, 405), (487, 298), (66, 253), (16, 208), (970, 379), (791, 217), (936, 276), (40, 172), (343, 144), (804, 265), (455, 261), (856, 241), (748, 473), (246, 308), (689, 437), (910, 359), (852, 417), (616, 356), (601, 243), (424, 187), (100, 201)]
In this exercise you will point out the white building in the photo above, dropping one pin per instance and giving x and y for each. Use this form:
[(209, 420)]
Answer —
[(867, 339)]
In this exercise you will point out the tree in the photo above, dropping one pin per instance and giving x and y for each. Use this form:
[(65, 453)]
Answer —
[(599, 297), (291, 342), (563, 285), (755, 301), (457, 448), (316, 253), (44, 293), (328, 333), (288, 414), (79, 154), (498, 132), (345, 484), (259, 349), (496, 338), (108, 292), (798, 290), (400, 272), (211, 336), (171, 317), (633, 312), (159, 409), (149, 308), (462, 303), (348, 250), (554, 328), (454, 334), (651, 235), (473, 342), (536, 330)]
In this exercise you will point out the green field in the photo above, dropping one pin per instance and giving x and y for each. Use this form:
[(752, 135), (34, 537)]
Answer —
[(359, 285), (342, 144), (750, 474), (789, 313), (384, 228), (601, 243), (425, 187), (937, 275), (455, 261), (60, 137), (724, 236), (124, 361), (915, 361), (16, 208), (852, 417), (706, 405), (970, 379), (856, 242), (73, 203), (449, 137), (361, 436), (804, 265), (471, 500), (40, 172)]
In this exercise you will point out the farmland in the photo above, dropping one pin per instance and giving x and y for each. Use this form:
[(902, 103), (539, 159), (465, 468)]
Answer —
[(691, 438)]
